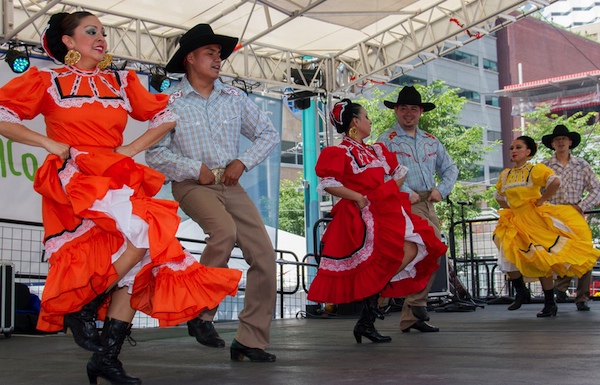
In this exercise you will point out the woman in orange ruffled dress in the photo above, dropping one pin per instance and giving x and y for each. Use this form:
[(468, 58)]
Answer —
[(373, 244), (111, 246)]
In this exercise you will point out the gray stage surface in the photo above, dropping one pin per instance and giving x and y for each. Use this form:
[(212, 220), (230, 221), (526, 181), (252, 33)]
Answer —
[(486, 346)]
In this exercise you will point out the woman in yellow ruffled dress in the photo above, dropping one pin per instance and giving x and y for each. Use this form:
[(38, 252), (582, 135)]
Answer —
[(534, 238)]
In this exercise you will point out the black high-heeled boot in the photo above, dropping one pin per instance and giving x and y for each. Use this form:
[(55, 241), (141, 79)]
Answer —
[(523, 295), (371, 304), (107, 365), (365, 328), (550, 309), (83, 325)]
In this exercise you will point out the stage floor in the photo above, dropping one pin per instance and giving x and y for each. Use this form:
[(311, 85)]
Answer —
[(485, 346)]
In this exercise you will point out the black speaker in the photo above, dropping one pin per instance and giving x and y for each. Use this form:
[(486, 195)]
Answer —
[(441, 283)]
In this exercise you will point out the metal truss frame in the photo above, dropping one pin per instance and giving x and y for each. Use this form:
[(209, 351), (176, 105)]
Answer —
[(421, 35)]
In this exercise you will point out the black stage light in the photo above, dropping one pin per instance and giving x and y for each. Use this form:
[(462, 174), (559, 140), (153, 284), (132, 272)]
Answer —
[(18, 60), (159, 80)]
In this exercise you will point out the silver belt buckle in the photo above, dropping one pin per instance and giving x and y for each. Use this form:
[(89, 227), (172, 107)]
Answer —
[(218, 173)]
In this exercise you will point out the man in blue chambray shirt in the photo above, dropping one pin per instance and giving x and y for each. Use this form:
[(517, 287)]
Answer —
[(424, 156), (202, 160)]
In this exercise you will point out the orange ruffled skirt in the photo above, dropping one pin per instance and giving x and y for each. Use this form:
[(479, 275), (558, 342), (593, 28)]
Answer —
[(91, 204)]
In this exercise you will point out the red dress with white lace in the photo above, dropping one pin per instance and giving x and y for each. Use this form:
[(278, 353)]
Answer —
[(96, 199), (363, 249)]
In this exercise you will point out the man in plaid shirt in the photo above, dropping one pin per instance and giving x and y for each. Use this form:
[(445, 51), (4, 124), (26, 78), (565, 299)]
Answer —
[(201, 158), (576, 178)]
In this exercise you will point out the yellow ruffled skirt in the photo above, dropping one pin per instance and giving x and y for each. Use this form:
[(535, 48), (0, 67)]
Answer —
[(545, 241)]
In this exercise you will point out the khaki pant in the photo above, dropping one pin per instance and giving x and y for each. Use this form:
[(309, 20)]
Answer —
[(427, 211), (583, 286), (228, 216)]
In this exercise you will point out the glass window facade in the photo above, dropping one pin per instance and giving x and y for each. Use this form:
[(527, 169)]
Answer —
[(463, 57), (492, 100), (490, 65)]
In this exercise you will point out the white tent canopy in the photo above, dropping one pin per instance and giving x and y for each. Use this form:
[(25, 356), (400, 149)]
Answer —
[(345, 42)]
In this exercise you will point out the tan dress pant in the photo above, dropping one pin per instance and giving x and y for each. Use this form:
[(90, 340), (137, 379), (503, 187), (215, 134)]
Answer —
[(583, 286), (228, 216), (427, 211)]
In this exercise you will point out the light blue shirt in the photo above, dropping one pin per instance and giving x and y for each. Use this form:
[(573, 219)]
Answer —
[(424, 156), (208, 132)]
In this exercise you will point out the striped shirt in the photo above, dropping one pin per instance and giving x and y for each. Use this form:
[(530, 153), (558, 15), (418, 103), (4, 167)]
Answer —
[(424, 156), (208, 132), (576, 178)]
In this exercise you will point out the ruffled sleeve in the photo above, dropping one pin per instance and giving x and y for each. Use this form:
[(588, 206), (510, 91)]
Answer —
[(146, 105), (397, 171), (499, 194), (542, 175), (22, 98), (330, 167)]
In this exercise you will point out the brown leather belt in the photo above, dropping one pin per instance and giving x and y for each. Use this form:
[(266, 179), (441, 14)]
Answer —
[(424, 195), (218, 173)]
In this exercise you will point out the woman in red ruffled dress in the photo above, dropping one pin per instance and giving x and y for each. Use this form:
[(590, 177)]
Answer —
[(111, 246), (373, 244)]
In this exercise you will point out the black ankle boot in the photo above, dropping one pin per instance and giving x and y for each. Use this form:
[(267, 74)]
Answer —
[(107, 365), (365, 328), (371, 304), (523, 295), (83, 325), (550, 309)]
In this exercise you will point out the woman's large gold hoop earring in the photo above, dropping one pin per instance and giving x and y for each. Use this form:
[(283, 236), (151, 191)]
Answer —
[(106, 61), (353, 133), (72, 57)]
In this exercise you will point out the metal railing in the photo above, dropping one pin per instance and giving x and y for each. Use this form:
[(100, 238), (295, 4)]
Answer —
[(472, 257), (21, 243)]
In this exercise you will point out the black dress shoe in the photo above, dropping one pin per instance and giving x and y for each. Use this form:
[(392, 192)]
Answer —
[(205, 333), (239, 351), (561, 296), (582, 306), (422, 326), (420, 312)]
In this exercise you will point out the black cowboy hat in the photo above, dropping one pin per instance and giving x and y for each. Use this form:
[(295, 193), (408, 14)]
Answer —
[(561, 130), (198, 36), (411, 97)]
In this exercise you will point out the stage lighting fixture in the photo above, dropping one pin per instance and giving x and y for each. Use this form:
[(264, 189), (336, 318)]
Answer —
[(18, 60), (159, 80)]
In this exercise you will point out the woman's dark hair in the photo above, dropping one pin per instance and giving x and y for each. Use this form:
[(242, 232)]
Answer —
[(529, 143), (342, 113), (61, 24)]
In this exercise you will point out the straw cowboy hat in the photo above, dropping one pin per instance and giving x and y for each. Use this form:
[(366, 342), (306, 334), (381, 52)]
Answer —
[(198, 36), (561, 130), (411, 97)]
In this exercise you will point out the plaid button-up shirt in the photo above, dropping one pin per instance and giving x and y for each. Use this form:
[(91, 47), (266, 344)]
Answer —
[(576, 178), (208, 131)]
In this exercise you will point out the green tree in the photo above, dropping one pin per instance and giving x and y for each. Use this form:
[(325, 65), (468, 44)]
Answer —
[(464, 144), (291, 206)]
